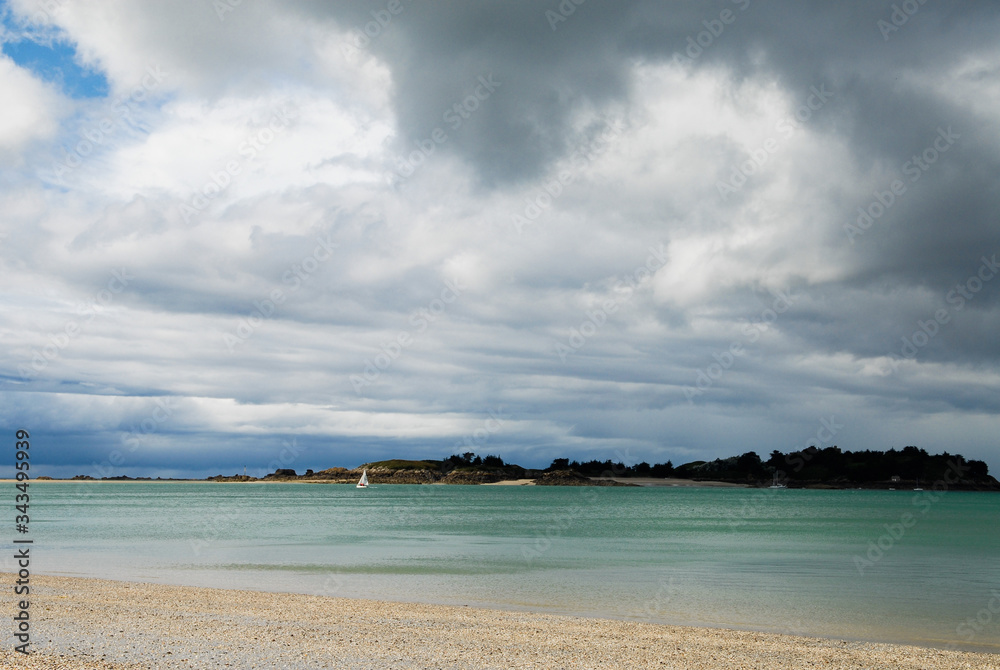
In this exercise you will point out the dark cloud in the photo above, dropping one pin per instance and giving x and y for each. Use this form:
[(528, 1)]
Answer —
[(525, 325)]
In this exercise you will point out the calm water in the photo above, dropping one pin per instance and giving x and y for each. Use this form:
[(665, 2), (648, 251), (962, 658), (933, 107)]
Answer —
[(787, 561)]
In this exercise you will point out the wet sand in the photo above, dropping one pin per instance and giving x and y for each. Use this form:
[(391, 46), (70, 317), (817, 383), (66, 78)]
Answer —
[(512, 482)]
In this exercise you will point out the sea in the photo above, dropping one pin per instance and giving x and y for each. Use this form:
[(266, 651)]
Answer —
[(918, 567)]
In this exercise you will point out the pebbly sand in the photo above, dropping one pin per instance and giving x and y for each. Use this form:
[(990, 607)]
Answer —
[(89, 623)]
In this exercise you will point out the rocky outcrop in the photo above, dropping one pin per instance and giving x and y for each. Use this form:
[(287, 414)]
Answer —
[(395, 476), (472, 477), (336, 474)]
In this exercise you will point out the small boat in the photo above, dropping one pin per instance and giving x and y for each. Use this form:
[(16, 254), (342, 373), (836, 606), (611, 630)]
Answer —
[(363, 482), (775, 484)]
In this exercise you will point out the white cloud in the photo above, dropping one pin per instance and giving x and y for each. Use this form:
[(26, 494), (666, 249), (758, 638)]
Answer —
[(386, 250), (31, 111)]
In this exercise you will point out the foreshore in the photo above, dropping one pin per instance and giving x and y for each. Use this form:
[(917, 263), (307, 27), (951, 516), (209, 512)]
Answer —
[(90, 623)]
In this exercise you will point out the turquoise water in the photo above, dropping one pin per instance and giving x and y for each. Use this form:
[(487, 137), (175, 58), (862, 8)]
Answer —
[(795, 561)]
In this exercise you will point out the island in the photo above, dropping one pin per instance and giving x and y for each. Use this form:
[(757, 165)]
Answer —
[(811, 468)]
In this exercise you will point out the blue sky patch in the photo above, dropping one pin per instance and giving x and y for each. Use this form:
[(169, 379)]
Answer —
[(56, 62)]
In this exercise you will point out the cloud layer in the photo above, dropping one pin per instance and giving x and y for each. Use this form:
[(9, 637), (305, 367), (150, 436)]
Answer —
[(324, 235)]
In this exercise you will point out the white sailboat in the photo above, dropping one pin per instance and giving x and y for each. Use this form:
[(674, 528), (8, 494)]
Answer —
[(775, 484), (363, 482)]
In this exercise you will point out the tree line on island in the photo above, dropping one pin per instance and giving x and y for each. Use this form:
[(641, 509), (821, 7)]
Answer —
[(812, 466)]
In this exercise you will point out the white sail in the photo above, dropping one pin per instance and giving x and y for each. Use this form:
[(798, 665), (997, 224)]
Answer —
[(363, 483)]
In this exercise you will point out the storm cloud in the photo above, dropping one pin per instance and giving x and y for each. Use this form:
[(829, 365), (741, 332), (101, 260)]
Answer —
[(319, 234)]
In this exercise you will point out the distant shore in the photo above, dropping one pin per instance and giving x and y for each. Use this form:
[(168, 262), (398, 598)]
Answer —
[(89, 623), (672, 481), (633, 481), (812, 468), (645, 482), (833, 469)]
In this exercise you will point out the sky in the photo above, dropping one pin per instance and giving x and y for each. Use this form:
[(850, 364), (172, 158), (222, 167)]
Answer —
[(303, 235)]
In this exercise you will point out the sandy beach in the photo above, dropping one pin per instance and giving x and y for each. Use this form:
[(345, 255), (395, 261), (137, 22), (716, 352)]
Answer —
[(512, 482), (89, 623)]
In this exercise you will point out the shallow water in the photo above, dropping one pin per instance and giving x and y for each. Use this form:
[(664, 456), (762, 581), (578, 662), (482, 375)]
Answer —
[(831, 563)]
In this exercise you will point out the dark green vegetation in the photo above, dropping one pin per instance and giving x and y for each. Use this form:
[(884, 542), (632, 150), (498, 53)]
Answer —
[(808, 468), (607, 468), (814, 467), (399, 464), (467, 468)]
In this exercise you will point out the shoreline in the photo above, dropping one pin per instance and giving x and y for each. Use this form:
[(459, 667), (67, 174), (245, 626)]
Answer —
[(673, 482), (511, 482), (83, 622), (637, 481)]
